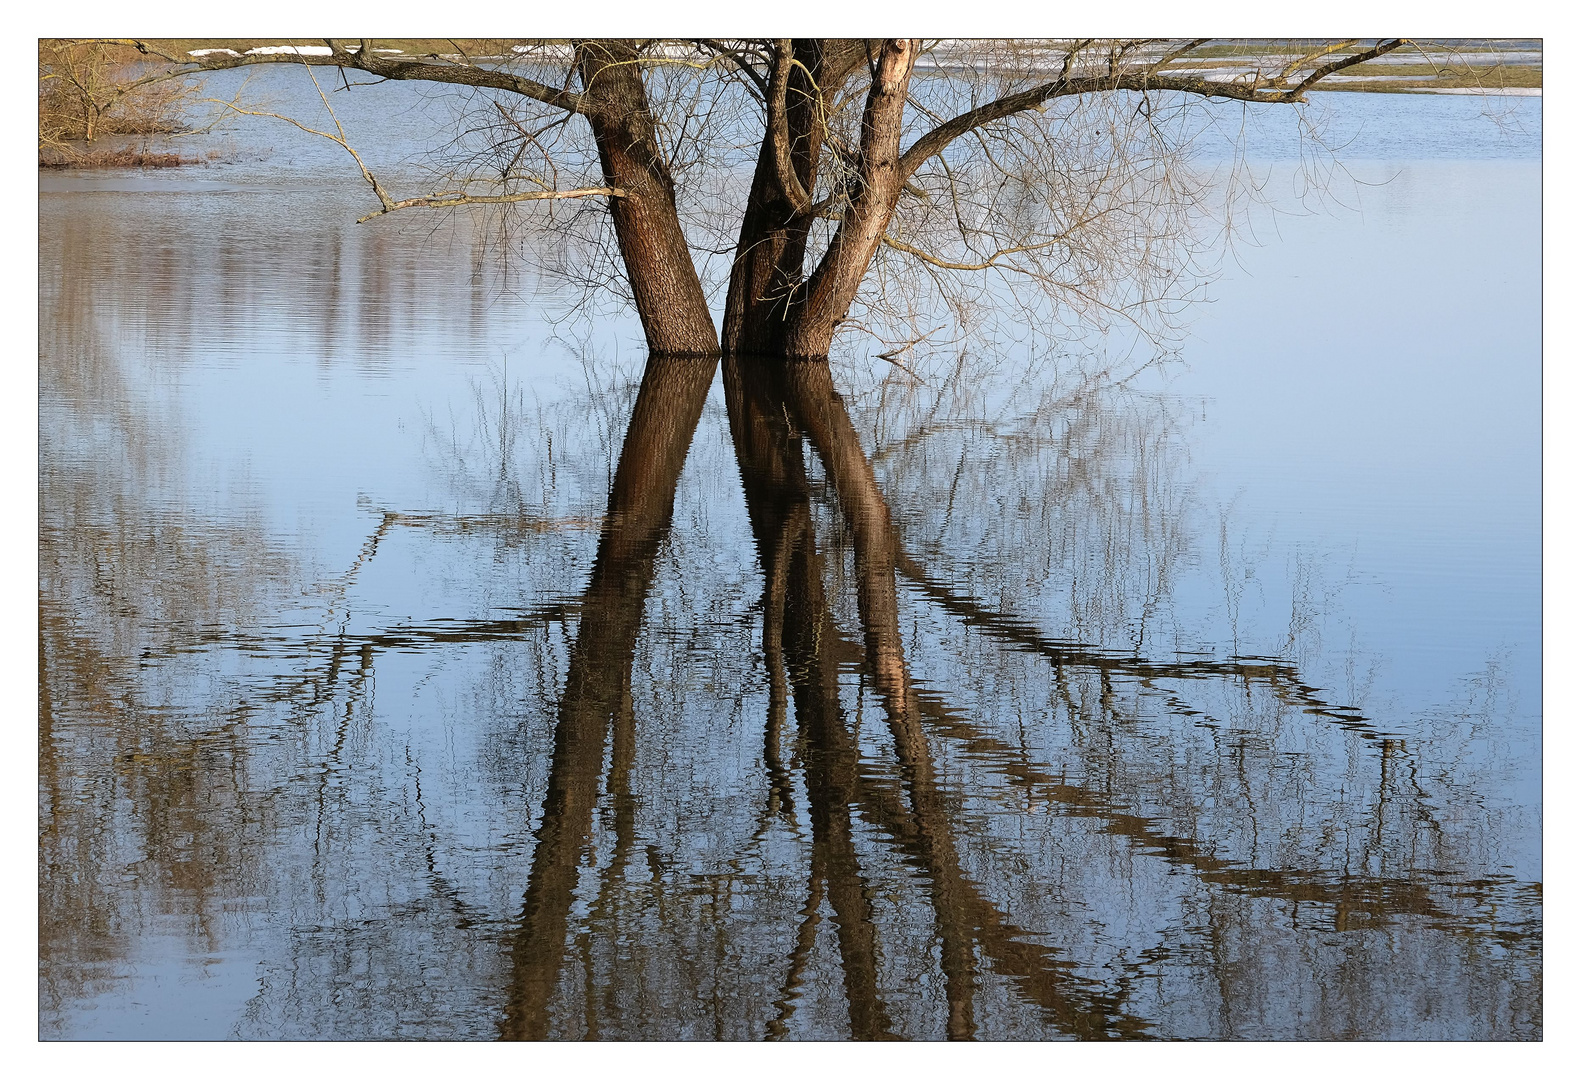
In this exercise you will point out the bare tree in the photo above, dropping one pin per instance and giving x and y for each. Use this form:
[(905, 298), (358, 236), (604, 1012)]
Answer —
[(1051, 164), (89, 89)]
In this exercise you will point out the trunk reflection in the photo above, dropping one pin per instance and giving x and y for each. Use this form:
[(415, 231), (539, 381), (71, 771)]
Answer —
[(854, 795), (964, 922), (360, 781), (598, 686)]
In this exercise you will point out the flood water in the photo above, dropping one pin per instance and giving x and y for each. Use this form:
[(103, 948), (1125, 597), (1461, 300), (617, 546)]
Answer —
[(419, 660)]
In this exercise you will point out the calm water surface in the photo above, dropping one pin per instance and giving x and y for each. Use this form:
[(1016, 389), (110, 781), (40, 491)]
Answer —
[(417, 663)]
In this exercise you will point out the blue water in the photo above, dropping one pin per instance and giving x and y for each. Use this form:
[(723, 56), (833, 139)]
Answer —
[(282, 456)]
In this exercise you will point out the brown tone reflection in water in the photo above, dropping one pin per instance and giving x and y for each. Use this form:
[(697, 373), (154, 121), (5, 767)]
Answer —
[(762, 400), (132, 565), (598, 687), (944, 872), (771, 409)]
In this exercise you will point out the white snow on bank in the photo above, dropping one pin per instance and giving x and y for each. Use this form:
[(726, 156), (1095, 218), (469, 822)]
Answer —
[(548, 51), (296, 50)]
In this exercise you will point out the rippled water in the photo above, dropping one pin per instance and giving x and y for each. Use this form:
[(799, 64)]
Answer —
[(415, 663)]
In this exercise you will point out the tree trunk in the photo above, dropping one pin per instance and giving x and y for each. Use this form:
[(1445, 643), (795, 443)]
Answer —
[(810, 323), (772, 246), (659, 268)]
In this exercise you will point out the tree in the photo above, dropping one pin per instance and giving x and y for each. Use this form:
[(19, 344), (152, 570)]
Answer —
[(982, 163), (90, 89)]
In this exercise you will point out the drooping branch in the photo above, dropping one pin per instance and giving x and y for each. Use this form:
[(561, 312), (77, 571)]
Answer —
[(339, 138), (386, 202)]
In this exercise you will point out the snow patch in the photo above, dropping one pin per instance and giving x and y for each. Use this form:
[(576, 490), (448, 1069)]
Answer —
[(295, 50), (211, 52)]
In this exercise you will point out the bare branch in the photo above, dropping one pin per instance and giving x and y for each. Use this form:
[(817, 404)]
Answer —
[(737, 57), (459, 199), (1302, 61), (338, 138), (363, 58), (944, 264), (1171, 56), (388, 204), (1339, 65), (1142, 80)]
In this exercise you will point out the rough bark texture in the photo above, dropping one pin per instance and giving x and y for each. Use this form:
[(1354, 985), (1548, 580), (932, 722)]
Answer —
[(833, 286), (659, 269), (771, 251)]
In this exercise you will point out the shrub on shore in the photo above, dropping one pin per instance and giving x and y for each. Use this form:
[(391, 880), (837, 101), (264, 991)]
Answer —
[(88, 91)]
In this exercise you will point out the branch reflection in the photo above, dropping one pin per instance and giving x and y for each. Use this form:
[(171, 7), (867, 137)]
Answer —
[(922, 793)]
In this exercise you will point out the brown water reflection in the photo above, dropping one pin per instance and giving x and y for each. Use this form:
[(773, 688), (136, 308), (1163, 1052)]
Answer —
[(895, 817), (858, 782), (597, 696)]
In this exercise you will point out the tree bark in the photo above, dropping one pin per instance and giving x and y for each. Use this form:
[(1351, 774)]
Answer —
[(833, 286), (772, 244), (659, 269), (769, 275)]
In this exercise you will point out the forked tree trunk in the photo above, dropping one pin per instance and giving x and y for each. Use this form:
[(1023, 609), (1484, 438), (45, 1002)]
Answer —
[(770, 308), (659, 270), (810, 324), (773, 308), (772, 245)]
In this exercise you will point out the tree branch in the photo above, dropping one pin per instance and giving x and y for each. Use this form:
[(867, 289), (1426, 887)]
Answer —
[(1176, 53), (459, 199), (386, 203), (365, 59), (993, 260), (338, 138), (737, 58), (1339, 65), (779, 128), (1141, 80), (1301, 61)]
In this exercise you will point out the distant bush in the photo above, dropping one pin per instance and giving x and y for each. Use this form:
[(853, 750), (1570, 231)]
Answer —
[(87, 91)]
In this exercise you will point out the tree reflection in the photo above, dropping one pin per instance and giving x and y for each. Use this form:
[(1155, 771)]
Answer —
[(774, 479), (597, 690), (692, 828), (923, 809)]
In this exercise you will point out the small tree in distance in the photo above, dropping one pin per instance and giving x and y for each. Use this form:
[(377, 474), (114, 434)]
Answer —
[(88, 90)]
